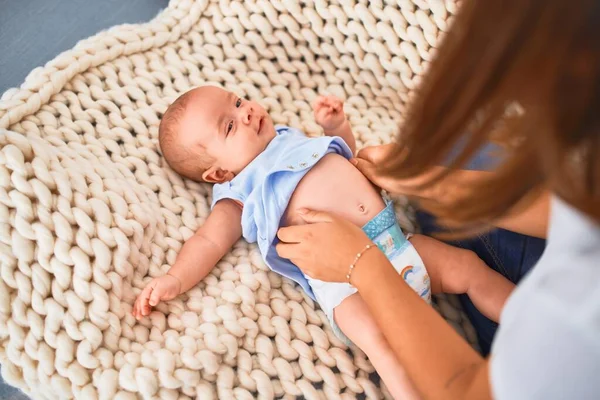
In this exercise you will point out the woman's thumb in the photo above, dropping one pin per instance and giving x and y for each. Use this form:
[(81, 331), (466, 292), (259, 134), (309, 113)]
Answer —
[(312, 216), (376, 154), (364, 166)]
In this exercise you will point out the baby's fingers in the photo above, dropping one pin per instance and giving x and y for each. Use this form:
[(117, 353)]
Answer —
[(143, 307), (137, 309), (323, 113), (318, 103), (134, 309), (155, 297), (333, 101)]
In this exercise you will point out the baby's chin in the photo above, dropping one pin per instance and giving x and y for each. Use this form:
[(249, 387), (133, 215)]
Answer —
[(268, 126)]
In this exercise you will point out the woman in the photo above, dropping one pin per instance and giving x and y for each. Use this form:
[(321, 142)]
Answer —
[(544, 58), (512, 248)]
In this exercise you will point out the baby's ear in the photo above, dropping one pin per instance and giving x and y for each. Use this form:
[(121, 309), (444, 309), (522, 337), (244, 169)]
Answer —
[(217, 175)]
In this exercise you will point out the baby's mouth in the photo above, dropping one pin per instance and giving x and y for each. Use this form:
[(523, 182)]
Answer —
[(260, 126)]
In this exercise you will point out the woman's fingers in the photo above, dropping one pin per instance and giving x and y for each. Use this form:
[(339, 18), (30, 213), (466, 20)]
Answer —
[(294, 234), (302, 233), (313, 217), (366, 167), (369, 159), (376, 154), (287, 250), (289, 234)]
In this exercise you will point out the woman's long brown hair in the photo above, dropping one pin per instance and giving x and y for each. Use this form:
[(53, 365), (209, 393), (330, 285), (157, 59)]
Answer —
[(543, 55)]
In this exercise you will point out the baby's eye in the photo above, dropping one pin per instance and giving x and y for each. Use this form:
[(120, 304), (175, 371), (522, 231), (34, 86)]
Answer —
[(238, 103), (229, 127)]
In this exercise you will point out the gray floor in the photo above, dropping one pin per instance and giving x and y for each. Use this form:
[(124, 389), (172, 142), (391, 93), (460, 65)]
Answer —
[(32, 32)]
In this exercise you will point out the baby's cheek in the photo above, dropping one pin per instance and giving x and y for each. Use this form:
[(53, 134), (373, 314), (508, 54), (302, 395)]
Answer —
[(245, 154)]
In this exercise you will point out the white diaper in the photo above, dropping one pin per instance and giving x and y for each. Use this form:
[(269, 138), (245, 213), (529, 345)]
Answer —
[(385, 232)]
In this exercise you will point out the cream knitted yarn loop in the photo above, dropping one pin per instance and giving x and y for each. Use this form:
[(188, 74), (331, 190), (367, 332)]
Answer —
[(89, 212)]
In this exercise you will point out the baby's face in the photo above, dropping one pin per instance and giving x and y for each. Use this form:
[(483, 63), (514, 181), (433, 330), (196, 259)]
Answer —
[(232, 131)]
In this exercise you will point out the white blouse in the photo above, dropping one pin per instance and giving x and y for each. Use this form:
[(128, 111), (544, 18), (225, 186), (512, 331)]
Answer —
[(548, 343)]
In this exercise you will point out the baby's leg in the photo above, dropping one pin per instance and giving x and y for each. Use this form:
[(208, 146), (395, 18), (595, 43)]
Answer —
[(357, 323)]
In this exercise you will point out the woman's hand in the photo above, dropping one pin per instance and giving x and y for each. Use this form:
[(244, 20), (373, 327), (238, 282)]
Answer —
[(324, 248), (369, 159)]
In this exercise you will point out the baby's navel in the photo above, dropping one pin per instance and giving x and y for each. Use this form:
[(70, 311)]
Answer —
[(362, 208)]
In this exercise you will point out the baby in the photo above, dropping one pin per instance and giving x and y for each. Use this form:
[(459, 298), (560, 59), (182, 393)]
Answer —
[(264, 174)]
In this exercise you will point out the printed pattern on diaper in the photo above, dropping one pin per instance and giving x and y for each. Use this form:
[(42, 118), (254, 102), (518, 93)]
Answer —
[(385, 232), (410, 267), (382, 221), (391, 241), (417, 278)]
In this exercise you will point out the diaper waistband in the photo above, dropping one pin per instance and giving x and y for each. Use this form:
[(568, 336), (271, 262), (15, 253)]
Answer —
[(385, 232), (381, 222)]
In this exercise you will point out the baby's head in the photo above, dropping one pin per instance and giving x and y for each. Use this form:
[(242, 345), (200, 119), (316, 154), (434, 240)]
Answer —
[(209, 134)]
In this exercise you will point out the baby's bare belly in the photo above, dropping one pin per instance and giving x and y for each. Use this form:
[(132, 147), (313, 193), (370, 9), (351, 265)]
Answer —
[(336, 186)]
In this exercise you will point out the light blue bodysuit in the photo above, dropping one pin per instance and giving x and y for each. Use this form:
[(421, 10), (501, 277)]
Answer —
[(265, 187)]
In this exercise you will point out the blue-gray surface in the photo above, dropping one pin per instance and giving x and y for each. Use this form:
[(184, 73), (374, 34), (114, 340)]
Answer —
[(32, 32)]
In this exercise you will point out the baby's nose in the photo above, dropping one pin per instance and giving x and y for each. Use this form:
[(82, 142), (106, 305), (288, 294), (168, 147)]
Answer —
[(247, 114)]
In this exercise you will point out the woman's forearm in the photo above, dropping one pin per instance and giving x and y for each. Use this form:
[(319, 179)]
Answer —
[(441, 364)]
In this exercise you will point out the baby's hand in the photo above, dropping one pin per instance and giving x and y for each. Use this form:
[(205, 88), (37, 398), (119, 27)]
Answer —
[(329, 112), (163, 288)]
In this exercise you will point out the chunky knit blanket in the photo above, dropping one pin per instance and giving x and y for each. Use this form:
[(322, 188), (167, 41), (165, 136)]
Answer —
[(89, 211)]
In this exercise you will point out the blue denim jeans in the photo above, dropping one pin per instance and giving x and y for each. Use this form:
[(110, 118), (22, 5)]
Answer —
[(509, 253)]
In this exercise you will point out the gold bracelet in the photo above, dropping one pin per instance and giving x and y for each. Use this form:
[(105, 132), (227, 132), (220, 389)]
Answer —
[(358, 256)]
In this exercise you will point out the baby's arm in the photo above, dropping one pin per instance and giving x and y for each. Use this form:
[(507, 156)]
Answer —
[(329, 113), (197, 258)]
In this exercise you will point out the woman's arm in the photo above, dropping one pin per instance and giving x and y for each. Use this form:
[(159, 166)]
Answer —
[(441, 364)]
